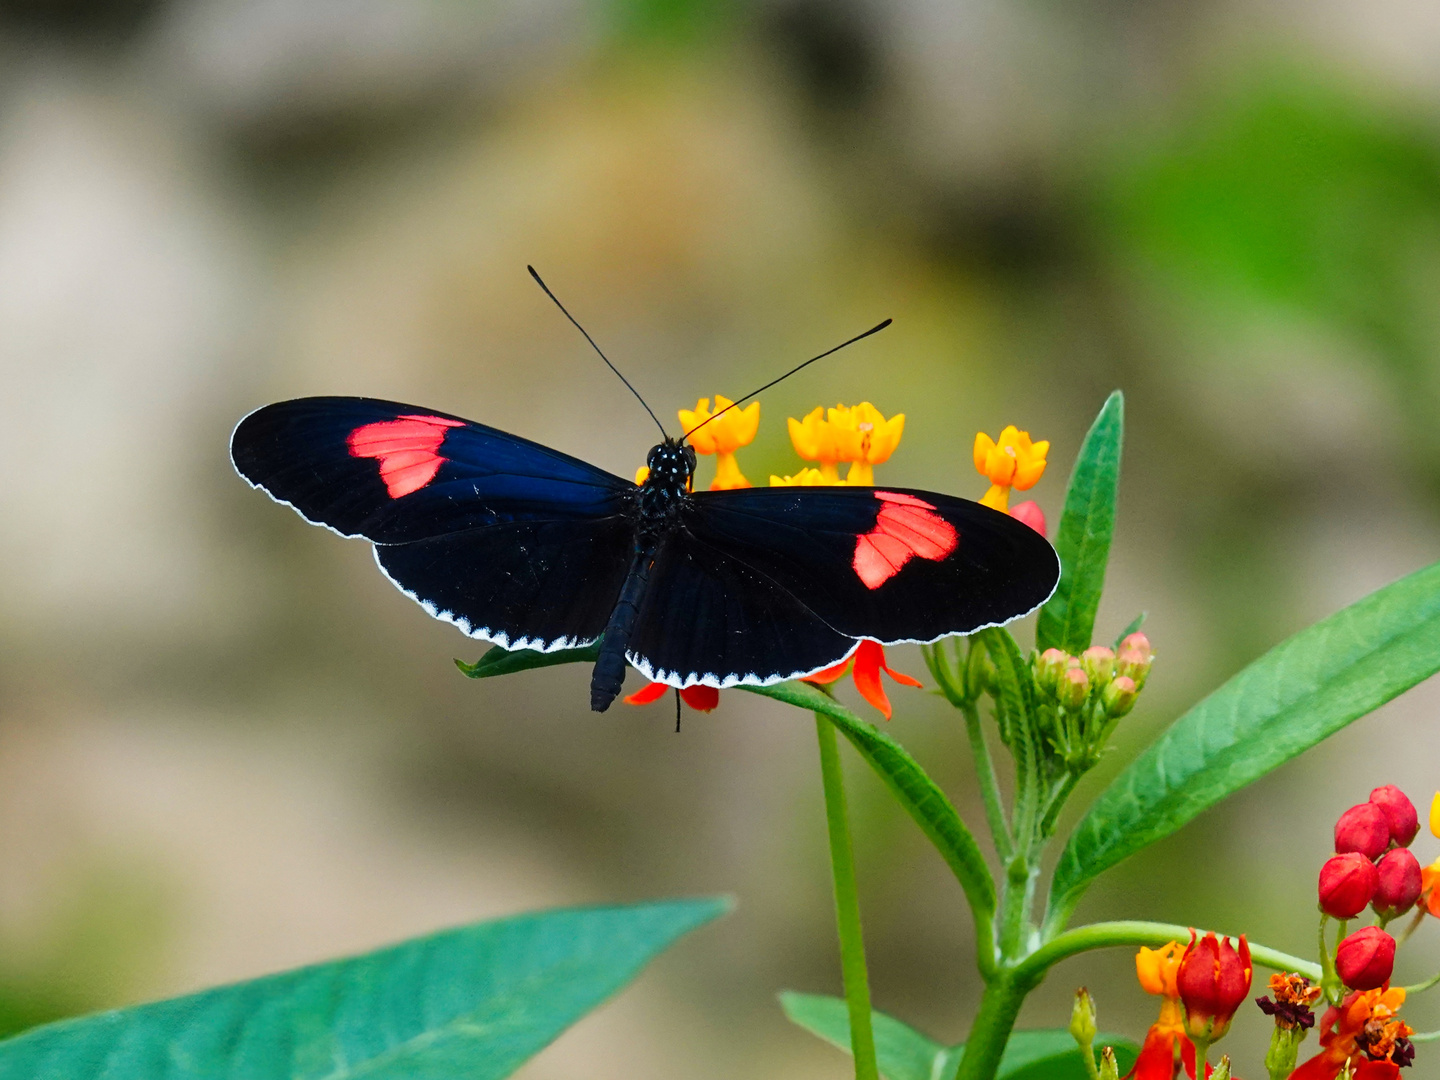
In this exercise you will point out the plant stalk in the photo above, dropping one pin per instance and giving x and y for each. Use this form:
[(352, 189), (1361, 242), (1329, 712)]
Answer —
[(999, 1008), (989, 785), (847, 904)]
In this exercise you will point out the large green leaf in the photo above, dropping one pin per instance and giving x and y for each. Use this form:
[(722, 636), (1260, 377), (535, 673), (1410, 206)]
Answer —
[(501, 661), (1067, 620), (912, 787), (474, 1002), (905, 1054), (1297, 694)]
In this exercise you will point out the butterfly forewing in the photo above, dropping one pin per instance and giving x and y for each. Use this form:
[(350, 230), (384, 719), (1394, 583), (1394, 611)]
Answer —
[(507, 539), (394, 473)]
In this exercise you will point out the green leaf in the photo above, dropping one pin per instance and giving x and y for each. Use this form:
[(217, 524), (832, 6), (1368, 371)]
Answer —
[(921, 796), (901, 1052), (1300, 692), (473, 1002), (501, 661), (906, 1054), (1068, 618)]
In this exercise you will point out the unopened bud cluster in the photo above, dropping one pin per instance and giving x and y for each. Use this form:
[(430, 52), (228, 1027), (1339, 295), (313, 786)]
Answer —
[(1372, 867), (1087, 694)]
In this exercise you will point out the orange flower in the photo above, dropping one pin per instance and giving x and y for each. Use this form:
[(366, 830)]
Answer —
[(699, 698), (722, 437), (869, 661), (1011, 461), (1365, 1033)]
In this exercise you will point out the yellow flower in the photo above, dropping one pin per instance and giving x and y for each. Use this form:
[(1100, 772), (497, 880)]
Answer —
[(865, 439), (722, 437), (1435, 814), (641, 475), (816, 440), (859, 435), (804, 478), (1011, 461)]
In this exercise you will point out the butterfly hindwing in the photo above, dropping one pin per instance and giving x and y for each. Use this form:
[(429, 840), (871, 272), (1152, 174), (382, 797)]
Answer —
[(507, 539), (710, 618), (893, 564)]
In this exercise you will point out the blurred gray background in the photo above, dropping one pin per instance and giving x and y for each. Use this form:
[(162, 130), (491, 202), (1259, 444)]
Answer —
[(227, 745)]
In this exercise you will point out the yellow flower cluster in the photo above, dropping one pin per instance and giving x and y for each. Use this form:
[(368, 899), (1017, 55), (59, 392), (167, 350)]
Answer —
[(860, 435)]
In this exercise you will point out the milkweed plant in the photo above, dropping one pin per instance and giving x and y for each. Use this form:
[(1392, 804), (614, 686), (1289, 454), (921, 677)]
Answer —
[(478, 1001)]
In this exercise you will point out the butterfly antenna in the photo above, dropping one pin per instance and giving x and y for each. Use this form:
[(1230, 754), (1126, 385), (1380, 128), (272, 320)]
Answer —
[(588, 338), (792, 371), (677, 710)]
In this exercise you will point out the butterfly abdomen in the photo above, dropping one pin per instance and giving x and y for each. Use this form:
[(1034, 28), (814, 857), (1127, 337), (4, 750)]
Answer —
[(609, 674)]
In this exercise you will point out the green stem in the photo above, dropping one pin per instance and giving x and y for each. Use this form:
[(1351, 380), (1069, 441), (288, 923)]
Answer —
[(1057, 803), (847, 904), (989, 785), (999, 1008), (1421, 987), (1110, 934)]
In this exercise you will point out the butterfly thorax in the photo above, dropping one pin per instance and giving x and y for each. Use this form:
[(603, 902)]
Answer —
[(666, 490)]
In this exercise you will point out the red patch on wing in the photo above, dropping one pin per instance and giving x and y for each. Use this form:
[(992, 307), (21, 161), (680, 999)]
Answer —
[(406, 447), (905, 528)]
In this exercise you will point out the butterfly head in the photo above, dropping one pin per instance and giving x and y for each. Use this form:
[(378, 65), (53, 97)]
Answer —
[(671, 465)]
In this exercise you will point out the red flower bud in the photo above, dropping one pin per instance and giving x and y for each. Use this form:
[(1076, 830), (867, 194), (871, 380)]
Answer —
[(1398, 885), (1214, 980), (1363, 828), (1347, 884), (1365, 959), (1031, 514), (1399, 813)]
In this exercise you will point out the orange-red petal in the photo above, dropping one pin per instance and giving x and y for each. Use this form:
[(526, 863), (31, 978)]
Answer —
[(644, 696), (700, 698)]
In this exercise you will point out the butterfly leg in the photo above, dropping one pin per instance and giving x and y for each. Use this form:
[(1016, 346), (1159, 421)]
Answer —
[(609, 674)]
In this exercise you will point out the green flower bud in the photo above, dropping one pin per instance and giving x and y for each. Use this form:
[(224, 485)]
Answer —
[(1082, 1019), (1221, 1071), (1074, 688), (1049, 666), (1099, 664), (1119, 697), (1109, 1067)]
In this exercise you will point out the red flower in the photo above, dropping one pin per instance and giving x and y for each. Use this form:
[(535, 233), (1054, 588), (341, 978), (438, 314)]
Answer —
[(1365, 959), (700, 698), (869, 660), (1214, 980), (1363, 828), (1398, 883), (1399, 813), (1347, 884)]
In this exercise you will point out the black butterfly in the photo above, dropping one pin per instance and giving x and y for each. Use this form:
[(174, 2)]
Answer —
[(530, 548)]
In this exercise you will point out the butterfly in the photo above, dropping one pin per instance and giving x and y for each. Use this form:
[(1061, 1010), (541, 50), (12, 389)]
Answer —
[(524, 546)]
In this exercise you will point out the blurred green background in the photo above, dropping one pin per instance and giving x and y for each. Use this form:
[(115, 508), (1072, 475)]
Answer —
[(227, 745)]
